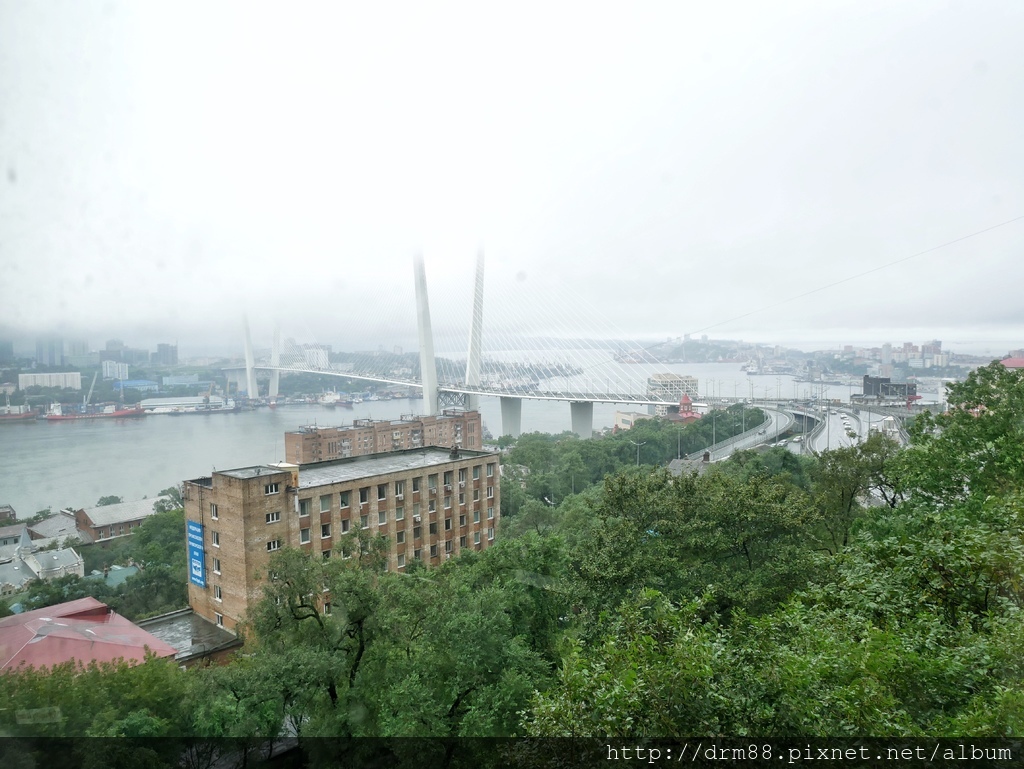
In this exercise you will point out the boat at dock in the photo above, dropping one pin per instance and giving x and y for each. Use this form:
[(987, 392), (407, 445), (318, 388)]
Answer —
[(60, 413)]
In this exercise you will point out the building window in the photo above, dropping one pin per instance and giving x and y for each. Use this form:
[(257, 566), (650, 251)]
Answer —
[(217, 595), (431, 505), (364, 495), (344, 525), (490, 492), (462, 497), (401, 560), (400, 537), (213, 511), (462, 541), (433, 528), (215, 538), (448, 546), (273, 517), (417, 554), (272, 488), (344, 498), (476, 516), (490, 533), (448, 503), (303, 536), (462, 521), (364, 521), (399, 489), (476, 472), (462, 475), (216, 565), (220, 619), (447, 524), (433, 551), (400, 513), (476, 537), (382, 491), (274, 544), (476, 495), (490, 512), (325, 554), (416, 483), (448, 479), (325, 531), (490, 469), (417, 532), (325, 503), (382, 517), (327, 609), (304, 506)]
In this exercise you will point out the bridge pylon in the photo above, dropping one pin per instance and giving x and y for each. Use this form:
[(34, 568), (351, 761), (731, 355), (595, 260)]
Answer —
[(275, 360), (476, 329), (250, 362), (428, 364)]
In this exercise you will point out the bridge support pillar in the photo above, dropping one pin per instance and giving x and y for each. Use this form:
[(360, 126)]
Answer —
[(582, 413), (511, 416)]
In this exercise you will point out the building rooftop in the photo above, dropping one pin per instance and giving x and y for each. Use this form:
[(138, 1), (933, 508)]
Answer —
[(14, 530), (104, 515), (354, 468), (191, 635), (84, 630), (115, 576), (58, 526), (53, 559)]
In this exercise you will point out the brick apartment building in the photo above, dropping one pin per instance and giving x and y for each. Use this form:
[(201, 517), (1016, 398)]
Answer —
[(453, 427), (431, 503)]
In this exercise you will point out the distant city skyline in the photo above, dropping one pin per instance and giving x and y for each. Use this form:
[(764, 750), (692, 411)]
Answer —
[(25, 346)]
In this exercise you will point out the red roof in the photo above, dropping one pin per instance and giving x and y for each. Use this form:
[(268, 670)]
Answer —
[(84, 630), (1013, 362)]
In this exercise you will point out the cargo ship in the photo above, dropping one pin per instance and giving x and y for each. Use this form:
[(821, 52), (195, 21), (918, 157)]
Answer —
[(102, 411), (11, 413), (17, 416)]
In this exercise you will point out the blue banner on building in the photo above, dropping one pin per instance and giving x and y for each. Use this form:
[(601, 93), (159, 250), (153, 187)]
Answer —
[(196, 554)]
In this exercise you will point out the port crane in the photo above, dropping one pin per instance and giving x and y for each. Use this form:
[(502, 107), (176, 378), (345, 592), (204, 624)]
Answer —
[(85, 403)]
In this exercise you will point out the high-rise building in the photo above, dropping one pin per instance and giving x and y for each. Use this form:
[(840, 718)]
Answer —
[(366, 436), (114, 370), (50, 351), (166, 355), (430, 504), (670, 387)]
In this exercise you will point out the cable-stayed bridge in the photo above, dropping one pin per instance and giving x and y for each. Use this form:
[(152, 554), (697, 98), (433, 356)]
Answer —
[(528, 364)]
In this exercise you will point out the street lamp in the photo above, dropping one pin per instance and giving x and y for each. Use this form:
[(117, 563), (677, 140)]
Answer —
[(638, 445)]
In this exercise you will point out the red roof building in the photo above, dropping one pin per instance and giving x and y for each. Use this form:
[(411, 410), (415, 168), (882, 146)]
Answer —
[(684, 412), (84, 630), (1013, 362)]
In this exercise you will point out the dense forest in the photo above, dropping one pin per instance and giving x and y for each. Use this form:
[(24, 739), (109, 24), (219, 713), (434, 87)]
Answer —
[(874, 590)]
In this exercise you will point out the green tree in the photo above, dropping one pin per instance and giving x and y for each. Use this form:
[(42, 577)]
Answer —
[(110, 500)]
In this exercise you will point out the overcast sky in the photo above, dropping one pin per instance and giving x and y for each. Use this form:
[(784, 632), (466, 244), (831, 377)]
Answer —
[(167, 166)]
